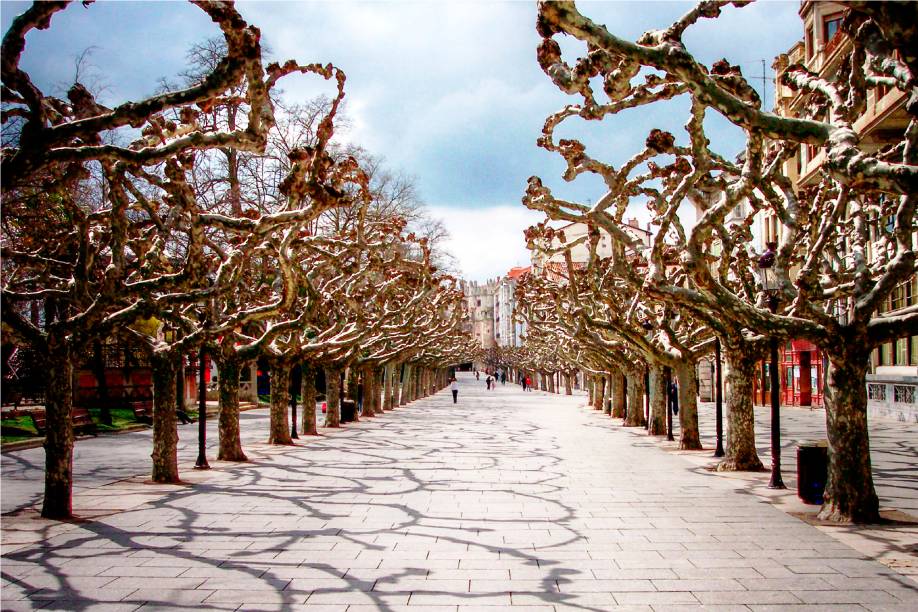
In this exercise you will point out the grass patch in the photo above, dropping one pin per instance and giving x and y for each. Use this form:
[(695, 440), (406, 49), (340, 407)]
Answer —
[(122, 418), (16, 429)]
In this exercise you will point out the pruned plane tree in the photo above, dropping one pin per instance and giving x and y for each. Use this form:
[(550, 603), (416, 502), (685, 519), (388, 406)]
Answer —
[(829, 278)]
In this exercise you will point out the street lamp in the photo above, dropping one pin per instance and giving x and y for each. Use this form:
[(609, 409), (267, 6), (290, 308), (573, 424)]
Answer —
[(201, 463), (669, 405), (770, 286), (296, 382), (648, 328)]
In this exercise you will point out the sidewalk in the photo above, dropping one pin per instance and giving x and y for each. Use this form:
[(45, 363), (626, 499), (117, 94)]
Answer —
[(504, 501)]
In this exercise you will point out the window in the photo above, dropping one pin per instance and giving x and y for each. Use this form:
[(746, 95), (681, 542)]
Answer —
[(880, 92), (900, 297), (901, 355), (830, 27), (886, 354), (809, 43), (913, 351), (811, 152), (479, 302)]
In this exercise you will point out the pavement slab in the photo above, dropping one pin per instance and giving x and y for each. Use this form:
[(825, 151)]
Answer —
[(504, 501)]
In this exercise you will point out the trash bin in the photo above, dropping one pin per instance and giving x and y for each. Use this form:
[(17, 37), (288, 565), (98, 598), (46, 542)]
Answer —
[(348, 411), (812, 471)]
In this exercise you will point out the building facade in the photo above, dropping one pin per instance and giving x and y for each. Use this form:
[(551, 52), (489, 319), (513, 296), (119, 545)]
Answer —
[(479, 303), (508, 331)]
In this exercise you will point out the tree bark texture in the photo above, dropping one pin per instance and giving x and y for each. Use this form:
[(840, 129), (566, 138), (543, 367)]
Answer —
[(567, 385), (688, 407), (618, 384), (58, 444), (279, 432), (377, 389), (658, 396), (590, 385), (389, 370), (308, 393), (599, 390), (741, 454), (165, 428), (369, 410), (396, 385), (849, 495), (332, 397), (634, 417), (230, 440)]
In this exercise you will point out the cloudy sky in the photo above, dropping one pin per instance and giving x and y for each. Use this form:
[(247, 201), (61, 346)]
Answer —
[(448, 92)]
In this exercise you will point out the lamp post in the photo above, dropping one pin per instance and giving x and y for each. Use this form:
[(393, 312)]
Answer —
[(296, 382), (669, 407), (718, 400), (647, 396), (769, 283), (648, 328), (201, 463)]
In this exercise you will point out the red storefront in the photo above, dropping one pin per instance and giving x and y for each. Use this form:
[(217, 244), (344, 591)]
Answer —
[(801, 373)]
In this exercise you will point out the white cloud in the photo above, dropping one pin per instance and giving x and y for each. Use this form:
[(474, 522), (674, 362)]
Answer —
[(487, 241)]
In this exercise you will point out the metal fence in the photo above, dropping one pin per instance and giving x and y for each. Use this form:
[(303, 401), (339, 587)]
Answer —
[(893, 398)]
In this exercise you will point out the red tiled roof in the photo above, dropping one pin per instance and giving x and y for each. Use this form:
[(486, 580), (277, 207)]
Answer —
[(518, 272)]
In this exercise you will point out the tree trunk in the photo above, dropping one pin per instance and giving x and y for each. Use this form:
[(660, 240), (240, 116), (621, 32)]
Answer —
[(634, 417), (567, 385), (308, 394), (98, 370), (740, 448), (58, 444), (230, 441), (618, 383), (377, 389), (590, 386), (332, 397), (688, 407), (369, 410), (658, 395), (850, 495), (165, 429), (389, 371), (599, 392), (280, 400), (396, 385)]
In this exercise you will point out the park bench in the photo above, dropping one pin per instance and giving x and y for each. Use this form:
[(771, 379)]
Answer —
[(80, 417), (143, 411)]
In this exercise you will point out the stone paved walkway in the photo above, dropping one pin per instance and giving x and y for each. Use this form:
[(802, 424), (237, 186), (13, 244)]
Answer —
[(504, 500)]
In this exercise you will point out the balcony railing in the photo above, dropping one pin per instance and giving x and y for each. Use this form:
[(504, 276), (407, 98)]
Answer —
[(893, 398)]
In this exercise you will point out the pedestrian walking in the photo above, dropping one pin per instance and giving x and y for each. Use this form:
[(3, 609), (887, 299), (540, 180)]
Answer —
[(476, 374), (488, 381), (523, 382), (528, 384), (454, 387), (503, 378)]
